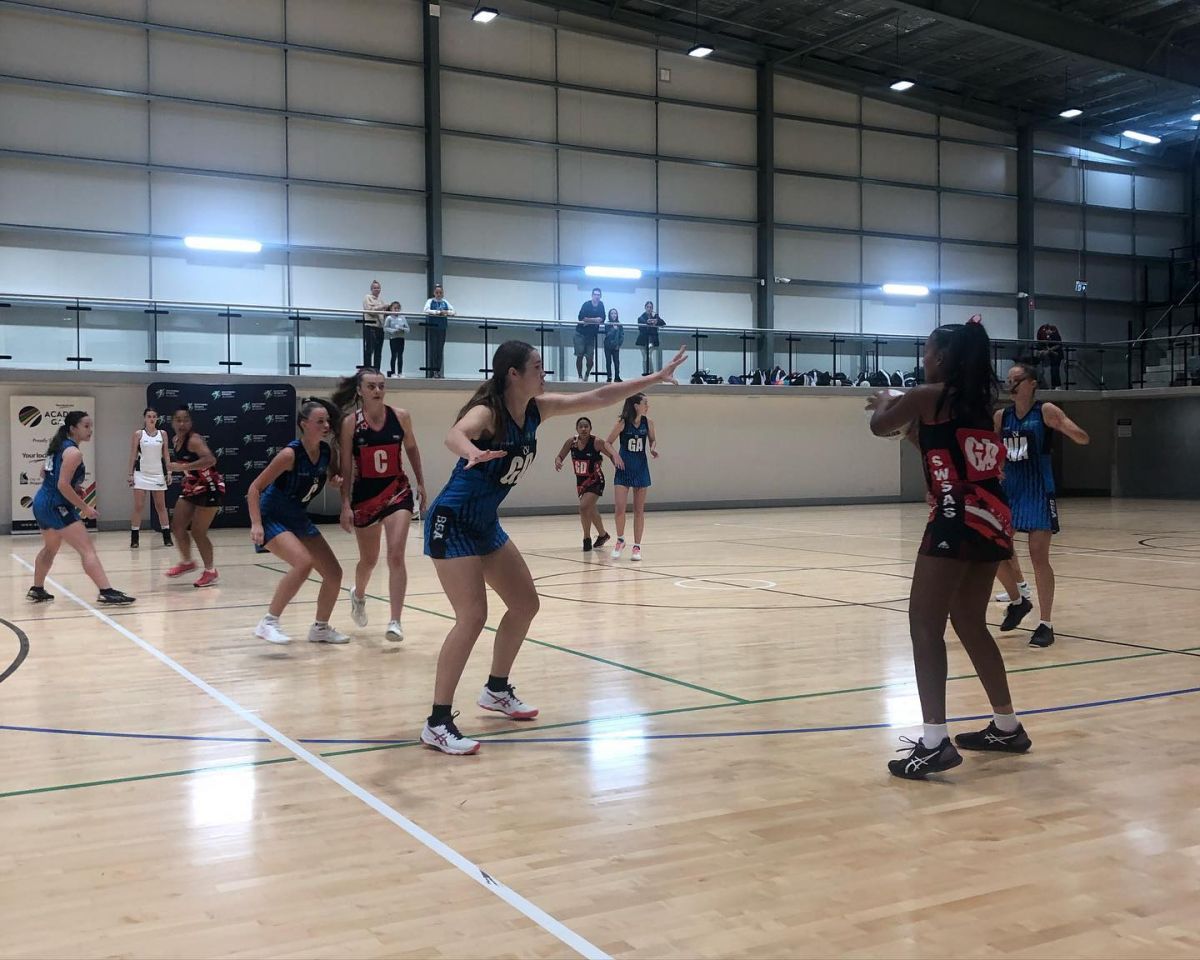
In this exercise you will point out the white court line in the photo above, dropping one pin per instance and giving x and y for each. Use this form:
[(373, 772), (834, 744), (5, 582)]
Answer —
[(876, 536), (511, 897)]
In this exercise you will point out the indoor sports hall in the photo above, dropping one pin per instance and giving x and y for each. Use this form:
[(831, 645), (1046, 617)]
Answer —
[(858, 300)]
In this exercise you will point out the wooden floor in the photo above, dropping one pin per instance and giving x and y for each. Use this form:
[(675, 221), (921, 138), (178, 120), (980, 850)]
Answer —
[(706, 777)]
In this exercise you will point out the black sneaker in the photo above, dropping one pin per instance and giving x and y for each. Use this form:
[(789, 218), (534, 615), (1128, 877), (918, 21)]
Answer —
[(114, 597), (922, 761), (995, 739), (133, 539), (1043, 636), (38, 595), (1015, 614), (167, 541), (587, 544), (601, 540)]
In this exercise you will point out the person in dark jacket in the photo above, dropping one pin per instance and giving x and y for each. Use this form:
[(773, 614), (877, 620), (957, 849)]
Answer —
[(614, 336), (647, 338)]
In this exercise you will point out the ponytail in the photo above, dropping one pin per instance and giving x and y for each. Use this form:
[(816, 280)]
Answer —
[(510, 355), (70, 421), (346, 393), (969, 383), (629, 409)]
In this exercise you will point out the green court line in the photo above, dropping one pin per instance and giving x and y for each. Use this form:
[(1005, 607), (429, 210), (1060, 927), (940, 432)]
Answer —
[(562, 649)]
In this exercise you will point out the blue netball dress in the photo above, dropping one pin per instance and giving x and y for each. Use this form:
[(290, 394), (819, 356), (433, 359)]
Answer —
[(283, 503), (51, 509), (463, 520), (633, 444), (1028, 473)]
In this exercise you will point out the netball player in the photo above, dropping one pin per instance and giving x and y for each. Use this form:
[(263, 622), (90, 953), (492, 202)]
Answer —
[(371, 438), (1029, 485), (634, 435), (495, 438), (197, 506), (148, 472), (58, 506), (969, 533), (587, 459), (279, 522)]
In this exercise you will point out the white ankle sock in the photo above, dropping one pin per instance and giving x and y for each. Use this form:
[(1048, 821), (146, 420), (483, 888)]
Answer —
[(934, 734), (1047, 624), (1006, 722), (270, 618)]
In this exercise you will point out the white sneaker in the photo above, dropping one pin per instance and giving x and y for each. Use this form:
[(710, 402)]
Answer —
[(1002, 596), (635, 553), (618, 547), (1026, 594), (508, 703), (325, 634), (269, 630), (445, 737), (395, 632), (358, 609)]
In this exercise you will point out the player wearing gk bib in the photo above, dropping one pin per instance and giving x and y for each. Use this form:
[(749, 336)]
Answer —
[(373, 438), (968, 534), (148, 472), (279, 522), (58, 506), (634, 441), (495, 438), (587, 462), (1029, 484), (197, 506)]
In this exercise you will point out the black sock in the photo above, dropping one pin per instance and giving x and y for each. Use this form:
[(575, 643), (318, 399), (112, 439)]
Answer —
[(439, 714), (497, 684)]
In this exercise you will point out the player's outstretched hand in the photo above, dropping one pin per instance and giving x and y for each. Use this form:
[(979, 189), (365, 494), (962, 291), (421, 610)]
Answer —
[(667, 373), (483, 456)]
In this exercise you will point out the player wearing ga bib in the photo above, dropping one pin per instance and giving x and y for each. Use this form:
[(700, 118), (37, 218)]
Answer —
[(284, 503), (634, 443)]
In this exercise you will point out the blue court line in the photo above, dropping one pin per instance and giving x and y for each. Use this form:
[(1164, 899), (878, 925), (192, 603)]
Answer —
[(715, 735)]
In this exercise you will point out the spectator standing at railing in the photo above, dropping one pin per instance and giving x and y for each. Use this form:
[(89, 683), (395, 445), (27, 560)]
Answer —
[(648, 324), (374, 310), (614, 336), (395, 326), (1050, 352), (591, 317), (437, 309)]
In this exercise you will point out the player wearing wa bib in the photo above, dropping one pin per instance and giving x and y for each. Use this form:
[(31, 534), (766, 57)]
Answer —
[(1028, 473), (463, 520)]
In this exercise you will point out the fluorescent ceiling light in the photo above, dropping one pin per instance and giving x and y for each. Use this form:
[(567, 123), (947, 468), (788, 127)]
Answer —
[(905, 289), (485, 15), (1071, 114), (901, 85), (614, 273), (1141, 137), (700, 50), (222, 244)]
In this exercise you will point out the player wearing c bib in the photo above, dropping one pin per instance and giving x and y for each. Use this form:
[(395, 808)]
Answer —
[(495, 438), (587, 463), (148, 472), (1029, 484), (635, 443)]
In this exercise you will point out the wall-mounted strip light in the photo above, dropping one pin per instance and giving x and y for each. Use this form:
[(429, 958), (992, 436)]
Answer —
[(905, 289), (222, 244), (614, 273)]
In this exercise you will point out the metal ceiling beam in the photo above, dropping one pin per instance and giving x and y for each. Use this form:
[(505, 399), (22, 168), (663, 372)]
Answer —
[(1039, 26), (853, 30)]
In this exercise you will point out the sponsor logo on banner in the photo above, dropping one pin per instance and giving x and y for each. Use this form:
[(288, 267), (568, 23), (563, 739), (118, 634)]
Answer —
[(33, 422)]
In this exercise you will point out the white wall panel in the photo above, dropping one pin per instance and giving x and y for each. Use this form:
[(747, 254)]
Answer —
[(497, 169), (800, 313), (262, 18), (216, 139), (596, 180), (706, 248), (604, 121), (607, 64), (706, 134), (75, 124), (895, 157), (1057, 226), (36, 271), (810, 100), (1000, 322), (1109, 232), (505, 45), (817, 256), (1107, 323), (390, 28), (815, 202), (342, 288), (1056, 273), (207, 206), (707, 81), (1110, 279), (342, 87), (68, 195), (970, 131), (357, 220), (32, 45), (979, 218), (499, 297), (707, 191), (214, 70), (900, 319), (728, 309), (593, 238), (353, 154), (206, 278), (817, 147), (1055, 179), (492, 232), (978, 268), (1157, 235), (879, 113), (899, 261), (487, 105), (1160, 190), (1109, 188), (128, 9), (979, 168), (897, 210)]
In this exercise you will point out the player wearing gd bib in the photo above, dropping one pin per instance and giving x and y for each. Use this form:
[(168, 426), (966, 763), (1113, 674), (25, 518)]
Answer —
[(495, 438), (1029, 485), (587, 463)]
